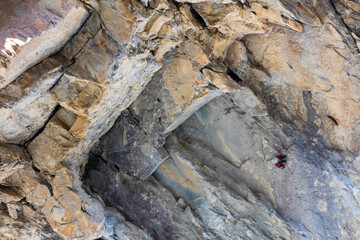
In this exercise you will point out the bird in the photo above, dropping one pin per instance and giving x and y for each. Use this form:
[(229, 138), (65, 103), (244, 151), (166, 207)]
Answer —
[(282, 160)]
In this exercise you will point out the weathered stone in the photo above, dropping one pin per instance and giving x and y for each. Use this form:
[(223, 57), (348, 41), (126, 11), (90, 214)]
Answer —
[(69, 217), (349, 11), (134, 152), (12, 210), (12, 159), (323, 76), (162, 119), (8, 195), (115, 14), (38, 195), (118, 228), (46, 43), (162, 223)]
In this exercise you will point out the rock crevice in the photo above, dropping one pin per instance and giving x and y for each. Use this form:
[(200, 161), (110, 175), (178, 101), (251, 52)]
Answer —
[(160, 119)]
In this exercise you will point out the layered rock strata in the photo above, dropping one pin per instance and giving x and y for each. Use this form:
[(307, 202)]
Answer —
[(160, 119)]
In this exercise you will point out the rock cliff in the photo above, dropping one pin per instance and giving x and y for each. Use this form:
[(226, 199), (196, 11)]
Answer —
[(156, 119)]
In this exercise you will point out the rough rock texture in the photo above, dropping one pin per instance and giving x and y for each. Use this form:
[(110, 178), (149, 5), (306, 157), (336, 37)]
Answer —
[(155, 119)]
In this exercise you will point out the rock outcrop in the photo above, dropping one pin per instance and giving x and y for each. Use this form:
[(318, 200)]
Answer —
[(154, 119)]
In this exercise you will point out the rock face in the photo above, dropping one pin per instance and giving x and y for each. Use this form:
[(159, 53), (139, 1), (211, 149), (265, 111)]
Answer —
[(160, 119)]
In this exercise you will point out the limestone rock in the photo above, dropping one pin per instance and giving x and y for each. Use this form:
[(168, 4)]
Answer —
[(12, 159), (160, 119), (115, 14), (48, 42)]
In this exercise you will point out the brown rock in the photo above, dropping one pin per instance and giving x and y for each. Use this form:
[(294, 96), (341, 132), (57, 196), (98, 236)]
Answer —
[(45, 44), (190, 100), (8, 195), (12, 158), (118, 19)]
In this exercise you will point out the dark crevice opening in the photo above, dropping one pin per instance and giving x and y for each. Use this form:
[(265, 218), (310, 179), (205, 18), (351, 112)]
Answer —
[(91, 164), (207, 67), (233, 76), (285, 19), (333, 119), (57, 107), (57, 80), (116, 167), (246, 3), (198, 17), (290, 66), (44, 181), (35, 169), (177, 4)]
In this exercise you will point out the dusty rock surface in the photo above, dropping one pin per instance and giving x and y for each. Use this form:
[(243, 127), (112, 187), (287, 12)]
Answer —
[(155, 119)]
